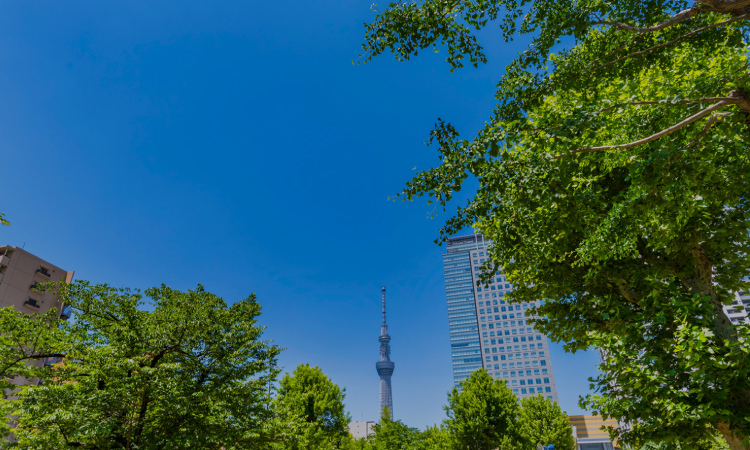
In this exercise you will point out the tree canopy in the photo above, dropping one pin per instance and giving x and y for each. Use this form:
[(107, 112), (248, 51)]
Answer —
[(542, 422), (612, 183), (314, 406), (482, 414), (191, 372)]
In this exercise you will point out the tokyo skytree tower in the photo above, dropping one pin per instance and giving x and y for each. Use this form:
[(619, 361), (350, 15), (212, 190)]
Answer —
[(385, 365)]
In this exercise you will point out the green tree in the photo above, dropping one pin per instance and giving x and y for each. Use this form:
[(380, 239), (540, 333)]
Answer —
[(611, 181), (482, 414), (434, 438), (392, 434), (711, 443), (3, 220), (188, 372), (312, 402), (541, 421)]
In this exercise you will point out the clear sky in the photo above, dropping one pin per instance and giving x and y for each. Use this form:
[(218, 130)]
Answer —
[(234, 144)]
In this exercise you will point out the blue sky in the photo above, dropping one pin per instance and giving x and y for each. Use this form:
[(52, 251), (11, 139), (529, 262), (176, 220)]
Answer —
[(234, 144)]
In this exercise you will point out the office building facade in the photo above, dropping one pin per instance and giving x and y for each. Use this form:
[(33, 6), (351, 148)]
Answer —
[(488, 332), (738, 311)]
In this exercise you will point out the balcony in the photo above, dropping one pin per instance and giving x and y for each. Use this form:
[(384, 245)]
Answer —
[(43, 272), (31, 304)]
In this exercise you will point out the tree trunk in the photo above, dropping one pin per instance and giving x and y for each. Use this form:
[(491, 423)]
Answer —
[(733, 438)]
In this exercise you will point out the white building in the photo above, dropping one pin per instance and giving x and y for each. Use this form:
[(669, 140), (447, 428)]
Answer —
[(739, 309), (361, 429)]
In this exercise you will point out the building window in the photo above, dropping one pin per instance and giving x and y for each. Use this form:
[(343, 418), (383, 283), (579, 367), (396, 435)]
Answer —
[(548, 389), (32, 303)]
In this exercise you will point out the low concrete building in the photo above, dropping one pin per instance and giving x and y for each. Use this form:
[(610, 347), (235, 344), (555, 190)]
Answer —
[(361, 429), (588, 433)]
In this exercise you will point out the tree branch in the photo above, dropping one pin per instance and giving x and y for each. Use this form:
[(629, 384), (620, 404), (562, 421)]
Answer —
[(653, 137), (726, 6), (18, 360), (677, 18), (668, 102), (711, 120)]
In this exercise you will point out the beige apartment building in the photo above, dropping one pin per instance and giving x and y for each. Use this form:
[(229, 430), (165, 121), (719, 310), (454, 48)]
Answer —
[(588, 433), (19, 272)]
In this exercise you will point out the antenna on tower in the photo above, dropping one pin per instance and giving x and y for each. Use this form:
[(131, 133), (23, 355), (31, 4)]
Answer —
[(383, 289)]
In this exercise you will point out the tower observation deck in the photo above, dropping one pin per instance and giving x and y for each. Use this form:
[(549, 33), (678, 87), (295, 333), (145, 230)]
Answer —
[(385, 365)]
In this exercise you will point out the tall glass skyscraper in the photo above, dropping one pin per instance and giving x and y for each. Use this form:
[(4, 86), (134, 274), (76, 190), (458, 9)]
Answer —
[(487, 332)]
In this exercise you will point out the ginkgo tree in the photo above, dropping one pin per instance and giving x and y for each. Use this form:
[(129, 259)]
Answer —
[(612, 181)]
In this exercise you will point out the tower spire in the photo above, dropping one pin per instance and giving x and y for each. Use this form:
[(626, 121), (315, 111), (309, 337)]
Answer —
[(382, 288), (385, 365)]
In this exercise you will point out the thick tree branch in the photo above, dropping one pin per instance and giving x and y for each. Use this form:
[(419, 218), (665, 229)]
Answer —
[(677, 18), (653, 137), (727, 6)]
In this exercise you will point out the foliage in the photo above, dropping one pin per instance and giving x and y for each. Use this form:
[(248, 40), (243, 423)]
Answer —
[(612, 183), (191, 372), (392, 434), (541, 421), (3, 220), (312, 400), (482, 414), (711, 443), (23, 351), (434, 438)]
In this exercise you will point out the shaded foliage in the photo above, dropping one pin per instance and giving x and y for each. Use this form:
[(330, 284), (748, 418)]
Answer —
[(611, 183)]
